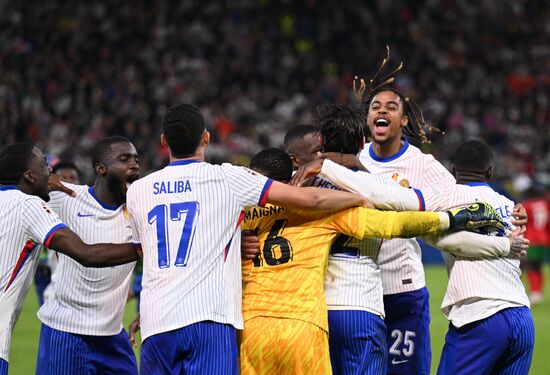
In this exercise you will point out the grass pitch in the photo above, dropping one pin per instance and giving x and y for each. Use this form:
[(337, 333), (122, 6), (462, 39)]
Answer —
[(24, 344)]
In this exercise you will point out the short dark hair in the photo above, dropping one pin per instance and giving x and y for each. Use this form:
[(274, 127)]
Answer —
[(473, 156), (342, 128), (65, 164), (14, 161), (183, 126), (102, 148), (273, 163), (299, 132)]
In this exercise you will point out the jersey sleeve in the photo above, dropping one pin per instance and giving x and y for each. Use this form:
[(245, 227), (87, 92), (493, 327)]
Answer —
[(472, 245), (371, 223), (438, 185), (249, 188), (382, 192), (58, 198), (40, 221)]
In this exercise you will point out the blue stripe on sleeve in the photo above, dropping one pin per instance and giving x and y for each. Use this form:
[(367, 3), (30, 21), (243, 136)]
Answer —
[(263, 195), (52, 231), (420, 199)]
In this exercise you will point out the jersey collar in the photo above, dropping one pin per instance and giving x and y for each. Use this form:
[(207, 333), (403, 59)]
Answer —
[(101, 203), (477, 183), (401, 151), (183, 162), (8, 187)]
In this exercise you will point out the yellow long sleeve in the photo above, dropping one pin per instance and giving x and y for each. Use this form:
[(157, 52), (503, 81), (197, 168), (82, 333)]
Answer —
[(390, 224)]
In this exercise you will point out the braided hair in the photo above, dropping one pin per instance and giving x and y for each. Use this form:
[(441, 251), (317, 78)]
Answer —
[(417, 126)]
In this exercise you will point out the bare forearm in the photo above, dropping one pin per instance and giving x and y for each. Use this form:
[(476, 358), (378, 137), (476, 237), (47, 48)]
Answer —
[(107, 255), (99, 255), (334, 200), (312, 198)]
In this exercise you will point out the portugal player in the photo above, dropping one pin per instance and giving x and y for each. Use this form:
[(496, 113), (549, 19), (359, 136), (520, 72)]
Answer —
[(538, 232)]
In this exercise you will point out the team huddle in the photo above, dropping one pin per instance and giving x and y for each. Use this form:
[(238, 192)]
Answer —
[(328, 276)]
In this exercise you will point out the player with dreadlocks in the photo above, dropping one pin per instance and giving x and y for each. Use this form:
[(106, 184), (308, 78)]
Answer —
[(392, 118)]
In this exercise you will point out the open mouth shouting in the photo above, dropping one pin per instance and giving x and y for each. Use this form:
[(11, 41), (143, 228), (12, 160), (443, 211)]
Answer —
[(381, 125)]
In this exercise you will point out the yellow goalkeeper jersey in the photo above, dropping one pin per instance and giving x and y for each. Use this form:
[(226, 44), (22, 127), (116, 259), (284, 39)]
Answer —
[(286, 278)]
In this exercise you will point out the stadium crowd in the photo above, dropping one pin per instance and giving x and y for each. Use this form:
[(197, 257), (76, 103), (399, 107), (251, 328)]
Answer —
[(73, 73)]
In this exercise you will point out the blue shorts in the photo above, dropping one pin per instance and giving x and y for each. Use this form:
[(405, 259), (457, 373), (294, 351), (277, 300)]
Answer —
[(357, 342), (500, 344), (200, 348), (408, 324), (3, 367), (136, 289), (68, 353)]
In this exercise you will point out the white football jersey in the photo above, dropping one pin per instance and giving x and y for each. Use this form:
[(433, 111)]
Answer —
[(187, 218), (82, 300), (400, 259), (478, 289), (353, 280), (26, 221)]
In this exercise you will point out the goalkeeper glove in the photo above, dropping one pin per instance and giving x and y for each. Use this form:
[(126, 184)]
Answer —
[(475, 216)]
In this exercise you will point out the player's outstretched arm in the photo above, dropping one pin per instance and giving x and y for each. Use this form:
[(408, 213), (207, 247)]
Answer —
[(471, 245), (385, 224), (383, 195), (312, 198), (99, 255), (475, 216)]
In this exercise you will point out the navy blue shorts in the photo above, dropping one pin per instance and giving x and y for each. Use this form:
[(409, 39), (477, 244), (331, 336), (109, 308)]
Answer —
[(500, 344), (408, 324), (200, 348), (3, 367), (357, 342), (61, 352)]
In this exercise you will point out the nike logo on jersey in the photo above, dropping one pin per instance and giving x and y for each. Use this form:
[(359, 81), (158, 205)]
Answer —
[(80, 214), (396, 362)]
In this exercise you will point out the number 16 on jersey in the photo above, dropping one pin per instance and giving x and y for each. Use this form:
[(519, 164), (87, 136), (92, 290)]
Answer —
[(159, 216)]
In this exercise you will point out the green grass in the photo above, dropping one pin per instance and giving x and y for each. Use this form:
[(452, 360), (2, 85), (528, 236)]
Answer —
[(24, 344), (436, 279)]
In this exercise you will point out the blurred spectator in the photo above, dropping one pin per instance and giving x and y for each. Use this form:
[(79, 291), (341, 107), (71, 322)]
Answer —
[(74, 72)]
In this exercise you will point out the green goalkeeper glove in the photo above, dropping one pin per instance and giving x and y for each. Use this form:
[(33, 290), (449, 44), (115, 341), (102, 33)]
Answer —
[(475, 216)]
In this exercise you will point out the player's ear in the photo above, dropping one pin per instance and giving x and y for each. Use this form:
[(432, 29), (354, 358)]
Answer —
[(404, 121), (294, 159), (163, 140), (99, 169), (206, 137), (489, 173), (28, 176)]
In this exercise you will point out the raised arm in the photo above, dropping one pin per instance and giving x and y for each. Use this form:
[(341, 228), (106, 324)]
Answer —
[(313, 198), (99, 255), (379, 191)]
